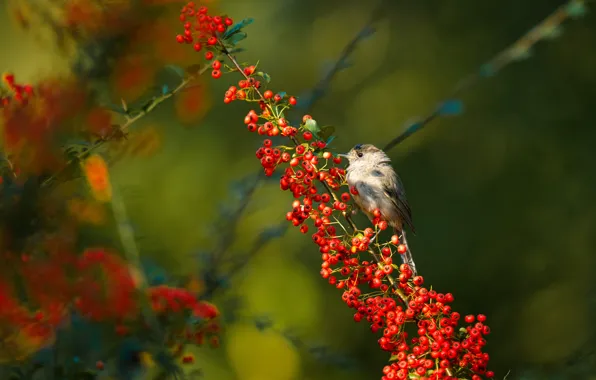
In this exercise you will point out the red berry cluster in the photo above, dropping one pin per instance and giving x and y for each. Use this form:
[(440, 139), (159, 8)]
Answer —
[(16, 92), (106, 288), (354, 260), (246, 87), (19, 318), (202, 30), (440, 350), (165, 299)]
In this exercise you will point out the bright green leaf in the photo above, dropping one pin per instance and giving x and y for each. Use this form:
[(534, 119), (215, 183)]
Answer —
[(312, 126)]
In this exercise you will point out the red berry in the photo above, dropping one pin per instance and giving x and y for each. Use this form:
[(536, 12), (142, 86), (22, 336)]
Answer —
[(292, 101), (268, 94), (180, 39), (209, 56), (216, 65), (249, 70), (216, 74), (307, 135), (187, 359), (401, 249)]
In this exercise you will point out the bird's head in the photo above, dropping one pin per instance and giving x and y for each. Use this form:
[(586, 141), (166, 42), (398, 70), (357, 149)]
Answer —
[(365, 153)]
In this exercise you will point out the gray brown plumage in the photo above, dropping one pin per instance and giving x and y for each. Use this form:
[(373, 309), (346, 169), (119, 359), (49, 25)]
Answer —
[(379, 187)]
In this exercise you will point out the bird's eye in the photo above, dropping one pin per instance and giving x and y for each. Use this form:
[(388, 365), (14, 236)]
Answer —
[(359, 154)]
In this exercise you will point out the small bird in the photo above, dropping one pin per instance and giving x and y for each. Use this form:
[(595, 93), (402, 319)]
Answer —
[(379, 187)]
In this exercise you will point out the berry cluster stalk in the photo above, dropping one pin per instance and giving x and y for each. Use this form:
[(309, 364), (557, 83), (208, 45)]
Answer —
[(442, 349)]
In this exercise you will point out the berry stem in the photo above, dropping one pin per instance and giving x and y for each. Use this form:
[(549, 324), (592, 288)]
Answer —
[(376, 257)]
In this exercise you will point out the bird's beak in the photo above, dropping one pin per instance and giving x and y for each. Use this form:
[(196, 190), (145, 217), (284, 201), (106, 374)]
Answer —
[(342, 155)]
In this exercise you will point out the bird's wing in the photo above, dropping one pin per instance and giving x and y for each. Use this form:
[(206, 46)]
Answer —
[(397, 194)]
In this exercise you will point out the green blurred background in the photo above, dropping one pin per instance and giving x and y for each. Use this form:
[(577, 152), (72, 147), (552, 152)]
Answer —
[(502, 196)]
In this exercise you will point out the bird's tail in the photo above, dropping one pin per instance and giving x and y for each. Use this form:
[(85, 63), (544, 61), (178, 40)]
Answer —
[(406, 257)]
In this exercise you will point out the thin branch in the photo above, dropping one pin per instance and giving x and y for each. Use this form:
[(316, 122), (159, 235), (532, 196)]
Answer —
[(519, 50), (131, 252), (319, 89), (226, 239), (129, 121)]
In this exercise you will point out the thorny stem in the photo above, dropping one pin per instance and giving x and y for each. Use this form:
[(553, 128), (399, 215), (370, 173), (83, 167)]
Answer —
[(378, 260), (129, 121)]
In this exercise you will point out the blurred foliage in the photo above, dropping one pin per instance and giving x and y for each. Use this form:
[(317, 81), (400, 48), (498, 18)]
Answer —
[(502, 195)]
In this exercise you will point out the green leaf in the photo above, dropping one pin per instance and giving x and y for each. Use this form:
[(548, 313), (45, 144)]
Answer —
[(264, 76), (177, 69), (115, 108), (194, 69), (236, 50), (236, 37), (326, 132), (149, 105), (312, 126), (238, 27)]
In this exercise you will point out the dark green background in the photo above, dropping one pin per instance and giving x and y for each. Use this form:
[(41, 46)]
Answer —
[(502, 196)]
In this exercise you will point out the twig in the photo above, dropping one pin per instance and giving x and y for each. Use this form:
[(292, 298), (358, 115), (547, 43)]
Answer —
[(10, 166), (129, 121), (131, 253), (320, 88), (514, 52), (226, 239)]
